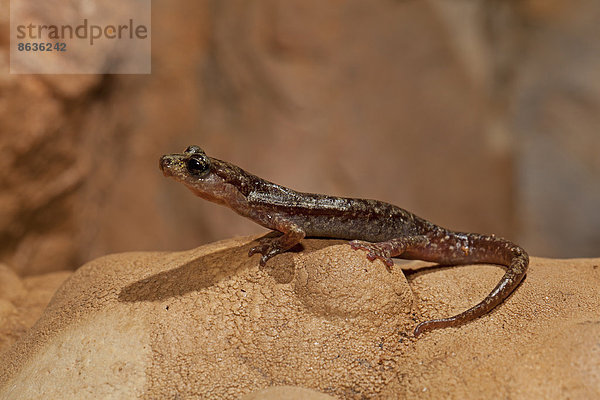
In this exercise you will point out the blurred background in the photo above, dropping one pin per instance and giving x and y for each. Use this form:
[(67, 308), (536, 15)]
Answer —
[(477, 115)]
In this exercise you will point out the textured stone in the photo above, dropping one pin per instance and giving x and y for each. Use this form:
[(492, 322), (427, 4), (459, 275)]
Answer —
[(209, 323), (287, 393), (23, 300)]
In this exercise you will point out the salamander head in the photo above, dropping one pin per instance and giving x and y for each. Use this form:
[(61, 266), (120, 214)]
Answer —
[(194, 169), (191, 165), (207, 177)]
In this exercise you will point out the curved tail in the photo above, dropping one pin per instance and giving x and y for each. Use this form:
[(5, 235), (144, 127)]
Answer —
[(463, 248)]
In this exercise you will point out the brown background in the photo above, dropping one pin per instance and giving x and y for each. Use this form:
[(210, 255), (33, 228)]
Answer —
[(480, 116)]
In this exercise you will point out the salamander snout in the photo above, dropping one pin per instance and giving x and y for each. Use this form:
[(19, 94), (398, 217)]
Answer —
[(165, 164)]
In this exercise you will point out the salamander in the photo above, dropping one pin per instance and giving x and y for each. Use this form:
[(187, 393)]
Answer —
[(381, 229)]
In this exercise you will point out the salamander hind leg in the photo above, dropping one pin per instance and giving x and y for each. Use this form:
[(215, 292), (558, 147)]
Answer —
[(384, 251)]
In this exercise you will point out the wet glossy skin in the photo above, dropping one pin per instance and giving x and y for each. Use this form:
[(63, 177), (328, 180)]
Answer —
[(382, 229)]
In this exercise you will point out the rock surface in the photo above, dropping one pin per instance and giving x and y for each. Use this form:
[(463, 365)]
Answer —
[(209, 323), (23, 300)]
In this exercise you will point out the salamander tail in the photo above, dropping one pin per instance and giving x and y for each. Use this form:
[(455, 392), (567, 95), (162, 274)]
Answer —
[(481, 249)]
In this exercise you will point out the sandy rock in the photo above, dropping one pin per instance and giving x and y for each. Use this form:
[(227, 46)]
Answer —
[(23, 300), (286, 393), (185, 323), (209, 323)]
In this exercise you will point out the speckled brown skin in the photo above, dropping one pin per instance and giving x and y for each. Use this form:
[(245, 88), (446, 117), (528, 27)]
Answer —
[(382, 229)]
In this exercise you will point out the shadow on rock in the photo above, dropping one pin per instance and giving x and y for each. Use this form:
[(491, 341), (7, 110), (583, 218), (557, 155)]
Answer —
[(194, 275)]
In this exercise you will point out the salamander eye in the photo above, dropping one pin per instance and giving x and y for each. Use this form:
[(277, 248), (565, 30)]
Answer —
[(197, 166)]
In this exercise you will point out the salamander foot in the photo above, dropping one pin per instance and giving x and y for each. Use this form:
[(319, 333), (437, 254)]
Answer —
[(375, 251)]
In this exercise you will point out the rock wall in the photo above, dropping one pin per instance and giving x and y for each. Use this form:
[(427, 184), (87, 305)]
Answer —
[(478, 116)]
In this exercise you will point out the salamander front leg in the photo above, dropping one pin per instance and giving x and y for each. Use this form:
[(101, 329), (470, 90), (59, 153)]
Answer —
[(270, 247), (388, 249)]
